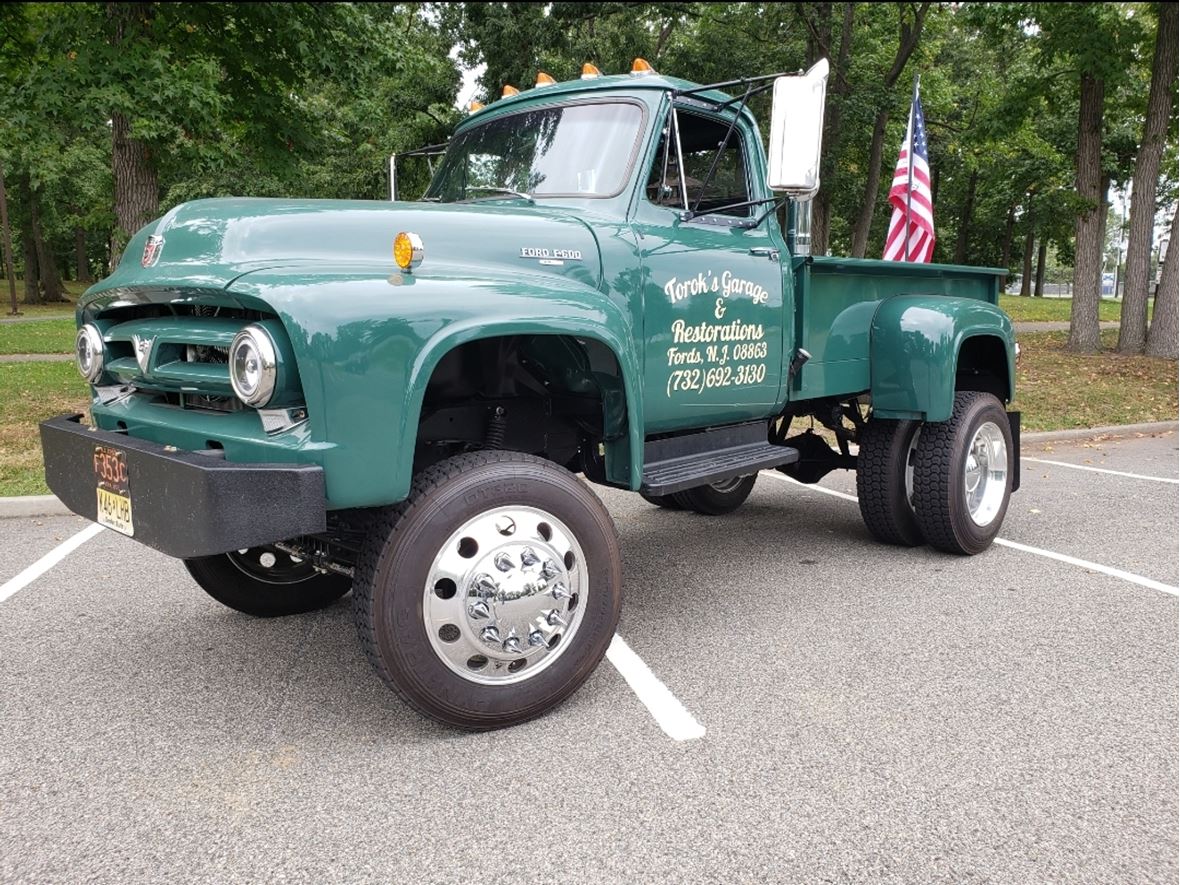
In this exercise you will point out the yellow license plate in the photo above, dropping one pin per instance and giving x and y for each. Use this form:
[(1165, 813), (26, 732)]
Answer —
[(114, 490)]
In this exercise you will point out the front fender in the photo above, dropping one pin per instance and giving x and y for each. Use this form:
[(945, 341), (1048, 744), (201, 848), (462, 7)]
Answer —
[(366, 344), (914, 350)]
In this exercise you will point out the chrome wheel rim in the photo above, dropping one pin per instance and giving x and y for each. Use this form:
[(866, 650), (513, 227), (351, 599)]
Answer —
[(985, 473), (911, 456), (505, 595), (726, 485), (271, 565)]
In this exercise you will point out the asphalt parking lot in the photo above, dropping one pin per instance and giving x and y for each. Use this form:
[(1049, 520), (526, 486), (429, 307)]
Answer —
[(864, 712)]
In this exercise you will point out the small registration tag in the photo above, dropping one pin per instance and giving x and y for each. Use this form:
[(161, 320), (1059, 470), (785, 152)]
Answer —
[(114, 490)]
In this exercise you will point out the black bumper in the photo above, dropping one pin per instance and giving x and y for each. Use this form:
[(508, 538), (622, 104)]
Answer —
[(186, 504)]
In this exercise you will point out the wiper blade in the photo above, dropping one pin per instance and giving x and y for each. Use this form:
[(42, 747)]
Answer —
[(502, 190)]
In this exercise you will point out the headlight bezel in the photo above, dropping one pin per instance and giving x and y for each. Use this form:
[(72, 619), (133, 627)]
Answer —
[(90, 335), (266, 352)]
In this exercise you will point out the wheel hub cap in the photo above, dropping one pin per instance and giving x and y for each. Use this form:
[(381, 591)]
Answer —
[(504, 595), (985, 473)]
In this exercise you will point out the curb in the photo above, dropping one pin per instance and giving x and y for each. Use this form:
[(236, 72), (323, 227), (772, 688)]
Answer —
[(48, 505), (32, 505), (1116, 430)]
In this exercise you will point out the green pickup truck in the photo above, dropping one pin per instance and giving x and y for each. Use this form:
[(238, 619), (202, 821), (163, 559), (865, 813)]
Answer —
[(300, 398)]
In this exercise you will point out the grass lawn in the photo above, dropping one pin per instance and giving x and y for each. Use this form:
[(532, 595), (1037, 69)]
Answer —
[(30, 393), (1056, 389), (1049, 310), (38, 336), (73, 290)]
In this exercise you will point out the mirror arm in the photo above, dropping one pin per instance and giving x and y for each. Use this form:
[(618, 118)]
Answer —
[(778, 204), (690, 214), (720, 150)]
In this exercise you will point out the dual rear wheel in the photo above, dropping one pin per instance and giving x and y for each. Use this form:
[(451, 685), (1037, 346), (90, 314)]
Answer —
[(947, 484)]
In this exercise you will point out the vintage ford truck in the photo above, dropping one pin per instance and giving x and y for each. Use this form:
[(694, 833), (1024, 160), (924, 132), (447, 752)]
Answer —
[(301, 398)]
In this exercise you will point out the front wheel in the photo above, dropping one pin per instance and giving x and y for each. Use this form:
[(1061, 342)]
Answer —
[(266, 582), (963, 473), (717, 498), (491, 593)]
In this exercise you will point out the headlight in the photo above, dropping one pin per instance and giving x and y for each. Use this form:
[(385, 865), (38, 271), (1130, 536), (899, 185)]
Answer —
[(88, 352), (253, 367)]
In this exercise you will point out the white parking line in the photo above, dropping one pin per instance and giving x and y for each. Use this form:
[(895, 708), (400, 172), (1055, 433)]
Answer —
[(1048, 554), (48, 561), (668, 712), (1102, 470)]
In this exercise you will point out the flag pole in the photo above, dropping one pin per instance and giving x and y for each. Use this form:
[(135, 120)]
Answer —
[(909, 194)]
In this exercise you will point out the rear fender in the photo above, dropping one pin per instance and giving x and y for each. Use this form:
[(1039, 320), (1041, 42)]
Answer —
[(914, 349)]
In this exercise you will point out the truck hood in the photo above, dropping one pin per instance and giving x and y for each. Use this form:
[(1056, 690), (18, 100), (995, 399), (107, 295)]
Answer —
[(210, 243)]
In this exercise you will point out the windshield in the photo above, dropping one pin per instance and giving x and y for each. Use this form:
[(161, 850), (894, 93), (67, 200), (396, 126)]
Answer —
[(576, 150)]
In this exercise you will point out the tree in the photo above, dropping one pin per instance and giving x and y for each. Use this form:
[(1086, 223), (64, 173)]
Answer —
[(1162, 337), (909, 32), (1161, 99)]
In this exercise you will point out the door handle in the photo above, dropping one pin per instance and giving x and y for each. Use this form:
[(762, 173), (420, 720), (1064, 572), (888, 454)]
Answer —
[(765, 251)]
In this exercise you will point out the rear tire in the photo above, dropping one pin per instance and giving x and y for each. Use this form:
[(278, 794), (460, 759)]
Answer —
[(718, 498), (886, 505), (266, 582), (492, 592), (963, 475)]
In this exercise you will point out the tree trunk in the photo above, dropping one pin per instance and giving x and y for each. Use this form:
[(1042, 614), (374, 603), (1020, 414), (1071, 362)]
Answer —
[(81, 262), (821, 213), (51, 286), (907, 42), (6, 233), (1042, 254), (1162, 338), (32, 277), (1026, 275), (965, 219), (1006, 252), (1133, 319), (1087, 271), (137, 192)]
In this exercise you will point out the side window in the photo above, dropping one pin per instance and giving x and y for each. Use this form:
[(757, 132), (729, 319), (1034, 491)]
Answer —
[(700, 138)]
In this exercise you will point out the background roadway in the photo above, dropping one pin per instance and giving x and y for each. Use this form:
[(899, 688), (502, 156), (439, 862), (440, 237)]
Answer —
[(870, 712)]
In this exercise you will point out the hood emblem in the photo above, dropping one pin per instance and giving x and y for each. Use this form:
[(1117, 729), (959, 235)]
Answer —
[(152, 249), (143, 351)]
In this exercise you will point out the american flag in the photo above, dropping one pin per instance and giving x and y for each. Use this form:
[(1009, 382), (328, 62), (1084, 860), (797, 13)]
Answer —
[(921, 202)]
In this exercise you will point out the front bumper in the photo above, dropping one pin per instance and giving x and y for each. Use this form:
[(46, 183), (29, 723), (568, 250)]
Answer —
[(186, 503)]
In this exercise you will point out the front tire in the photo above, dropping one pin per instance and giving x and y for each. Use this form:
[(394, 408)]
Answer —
[(491, 594), (963, 475), (718, 498), (266, 582)]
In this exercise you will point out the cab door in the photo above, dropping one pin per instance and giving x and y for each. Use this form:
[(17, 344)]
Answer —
[(713, 305)]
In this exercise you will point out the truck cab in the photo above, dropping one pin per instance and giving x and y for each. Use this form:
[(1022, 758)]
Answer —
[(405, 400)]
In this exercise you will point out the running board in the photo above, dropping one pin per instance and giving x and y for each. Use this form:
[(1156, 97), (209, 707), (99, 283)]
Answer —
[(696, 459)]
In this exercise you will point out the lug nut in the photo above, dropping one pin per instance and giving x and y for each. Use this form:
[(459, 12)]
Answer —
[(484, 586), (549, 570), (536, 638), (528, 557), (553, 619), (558, 591), (503, 562), (490, 635), (512, 645), (479, 609)]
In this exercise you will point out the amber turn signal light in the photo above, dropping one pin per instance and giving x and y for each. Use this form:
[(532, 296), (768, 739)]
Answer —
[(408, 250)]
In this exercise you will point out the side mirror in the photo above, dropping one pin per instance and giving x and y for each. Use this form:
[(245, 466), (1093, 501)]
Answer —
[(796, 132)]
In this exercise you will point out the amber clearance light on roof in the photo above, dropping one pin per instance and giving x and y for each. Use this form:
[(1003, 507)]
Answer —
[(544, 79), (474, 106), (509, 91), (641, 68), (589, 71)]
